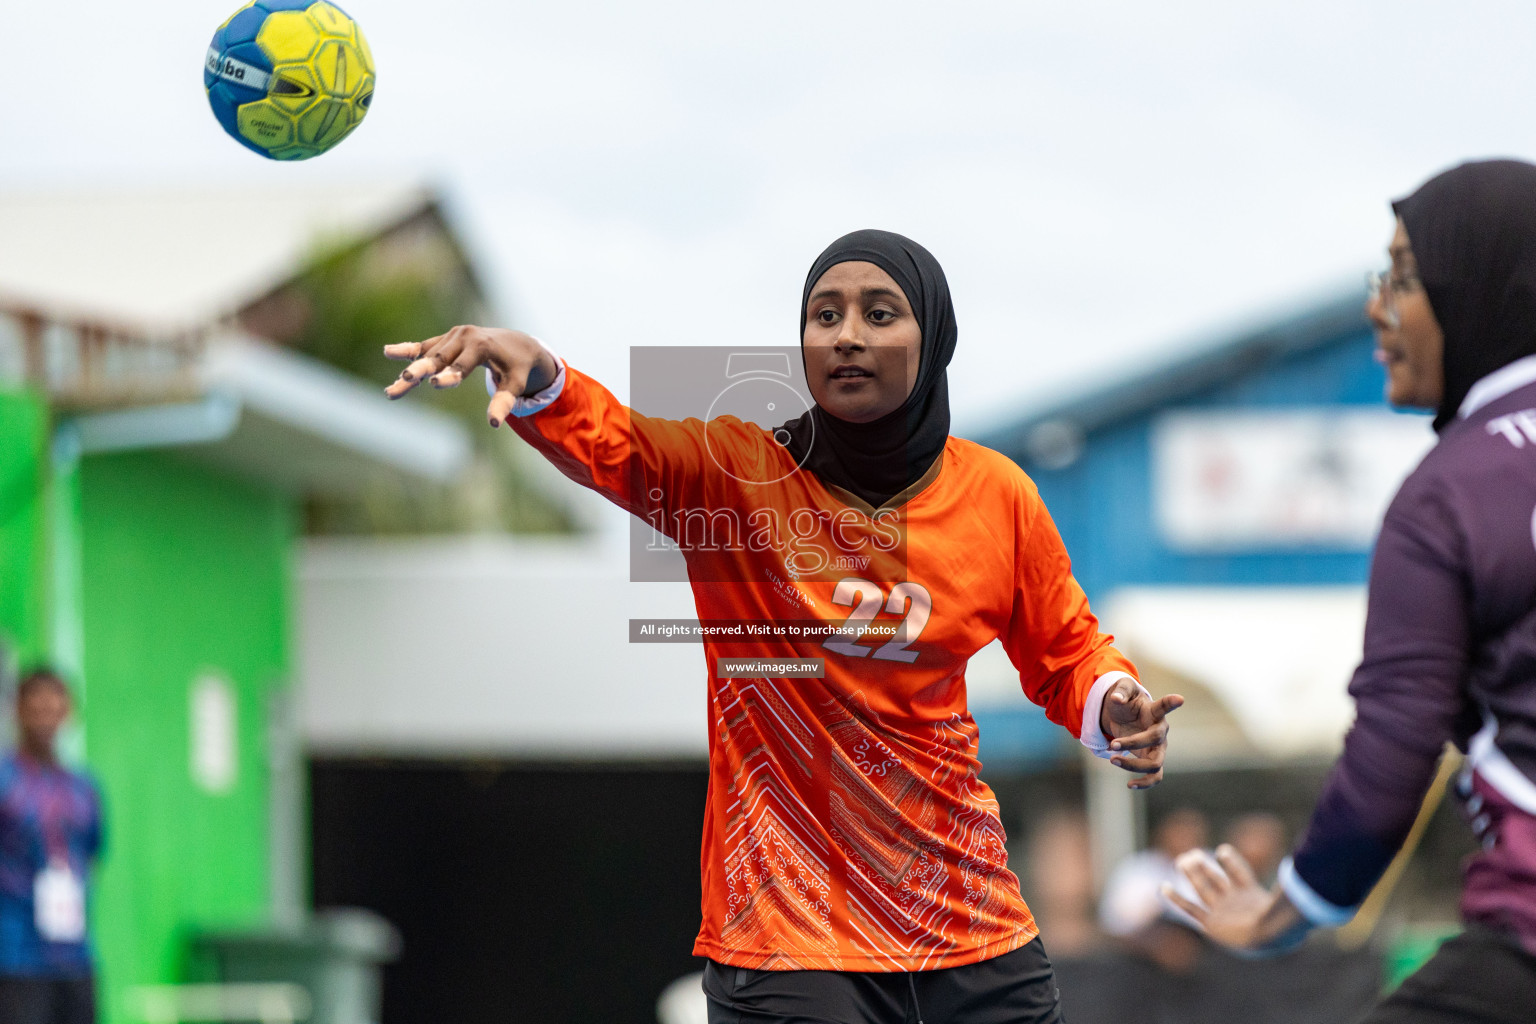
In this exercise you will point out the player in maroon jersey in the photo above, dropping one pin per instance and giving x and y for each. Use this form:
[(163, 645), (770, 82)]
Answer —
[(1450, 642)]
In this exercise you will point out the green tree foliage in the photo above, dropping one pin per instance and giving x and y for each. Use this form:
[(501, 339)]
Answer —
[(350, 301)]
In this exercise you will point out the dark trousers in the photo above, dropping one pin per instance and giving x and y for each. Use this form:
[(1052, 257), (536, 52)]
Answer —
[(1479, 977), (47, 1000), (1015, 988)]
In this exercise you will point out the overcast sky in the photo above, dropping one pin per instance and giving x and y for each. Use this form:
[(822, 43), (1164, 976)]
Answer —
[(1107, 182)]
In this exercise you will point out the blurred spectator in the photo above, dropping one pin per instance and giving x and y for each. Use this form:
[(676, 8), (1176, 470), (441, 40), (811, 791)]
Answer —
[(1132, 899), (1133, 909), (50, 834), (1179, 977), (1260, 837), (1060, 885)]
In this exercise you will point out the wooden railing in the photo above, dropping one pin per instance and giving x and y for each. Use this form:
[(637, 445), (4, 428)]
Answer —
[(82, 363)]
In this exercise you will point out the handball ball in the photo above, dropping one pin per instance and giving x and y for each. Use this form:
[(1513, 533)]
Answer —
[(289, 78)]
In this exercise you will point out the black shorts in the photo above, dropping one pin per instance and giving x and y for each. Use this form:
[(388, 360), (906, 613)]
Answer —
[(1015, 988), (1479, 977), (47, 1000)]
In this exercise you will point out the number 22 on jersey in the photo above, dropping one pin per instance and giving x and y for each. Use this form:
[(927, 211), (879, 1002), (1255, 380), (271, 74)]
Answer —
[(909, 600)]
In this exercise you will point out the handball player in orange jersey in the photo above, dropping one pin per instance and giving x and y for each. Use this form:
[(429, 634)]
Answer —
[(853, 861)]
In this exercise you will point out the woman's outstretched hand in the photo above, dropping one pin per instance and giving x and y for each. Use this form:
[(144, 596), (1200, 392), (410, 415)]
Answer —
[(1137, 727), (1233, 908), (517, 363)]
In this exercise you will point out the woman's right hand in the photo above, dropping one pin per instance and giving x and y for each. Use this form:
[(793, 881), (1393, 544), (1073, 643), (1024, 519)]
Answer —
[(517, 363), (1233, 908)]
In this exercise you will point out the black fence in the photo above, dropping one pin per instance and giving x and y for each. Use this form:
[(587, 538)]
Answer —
[(548, 893), (1316, 985), (522, 893)]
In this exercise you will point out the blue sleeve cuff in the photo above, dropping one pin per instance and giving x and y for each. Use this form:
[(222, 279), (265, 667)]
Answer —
[(1305, 899)]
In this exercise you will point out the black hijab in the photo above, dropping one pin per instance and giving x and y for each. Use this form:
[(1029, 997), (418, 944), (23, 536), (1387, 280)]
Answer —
[(1473, 232), (878, 460)]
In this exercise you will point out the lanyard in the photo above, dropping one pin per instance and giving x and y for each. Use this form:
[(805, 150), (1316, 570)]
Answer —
[(52, 797)]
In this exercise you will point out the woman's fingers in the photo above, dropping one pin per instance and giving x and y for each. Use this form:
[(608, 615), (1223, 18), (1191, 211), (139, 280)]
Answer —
[(1184, 903), (1165, 706), (510, 370), (434, 358), (456, 351), (1122, 704), (464, 362), (500, 407), (509, 356), (1152, 737), (1235, 866), (450, 376), (1153, 740), (417, 351), (1131, 763), (405, 349), (1131, 707), (428, 358), (1209, 880)]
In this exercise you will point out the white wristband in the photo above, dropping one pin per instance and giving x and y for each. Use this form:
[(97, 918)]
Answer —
[(1091, 735)]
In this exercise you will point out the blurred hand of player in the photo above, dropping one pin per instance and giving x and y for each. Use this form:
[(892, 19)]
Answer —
[(518, 364), (1233, 908), (1137, 728)]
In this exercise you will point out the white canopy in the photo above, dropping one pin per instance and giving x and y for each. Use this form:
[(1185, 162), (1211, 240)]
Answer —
[(1277, 661)]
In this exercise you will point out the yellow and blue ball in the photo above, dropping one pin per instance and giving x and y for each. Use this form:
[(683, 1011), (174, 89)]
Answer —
[(289, 78)]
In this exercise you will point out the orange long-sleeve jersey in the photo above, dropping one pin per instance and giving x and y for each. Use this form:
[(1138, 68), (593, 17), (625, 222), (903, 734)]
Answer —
[(847, 827)]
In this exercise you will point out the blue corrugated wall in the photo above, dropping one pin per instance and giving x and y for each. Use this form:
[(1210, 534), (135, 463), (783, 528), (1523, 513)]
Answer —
[(1102, 504)]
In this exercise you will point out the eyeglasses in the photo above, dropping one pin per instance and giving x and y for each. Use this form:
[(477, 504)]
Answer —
[(1384, 286)]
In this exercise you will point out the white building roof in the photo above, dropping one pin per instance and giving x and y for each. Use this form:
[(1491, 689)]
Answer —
[(265, 412), (105, 302), (171, 259)]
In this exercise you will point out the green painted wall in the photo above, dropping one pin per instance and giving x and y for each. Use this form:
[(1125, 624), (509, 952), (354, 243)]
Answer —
[(23, 525), (184, 572)]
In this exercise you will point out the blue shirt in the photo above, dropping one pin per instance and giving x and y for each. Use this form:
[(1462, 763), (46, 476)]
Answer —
[(47, 812)]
